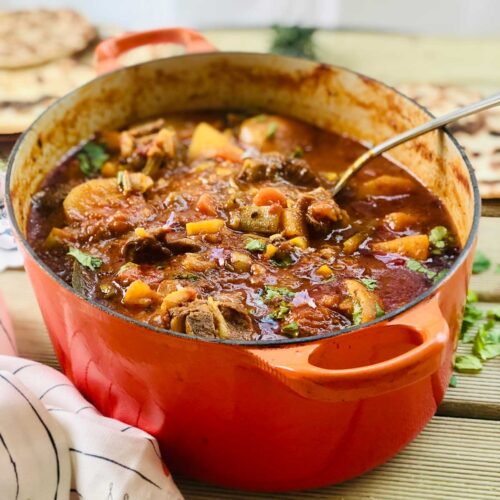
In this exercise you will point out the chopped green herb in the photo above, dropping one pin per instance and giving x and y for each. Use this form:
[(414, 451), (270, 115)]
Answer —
[(467, 363), (273, 292), (379, 312), (370, 283), (415, 265), (357, 313), (255, 246), (481, 263), (298, 152), (281, 312), (440, 275), (272, 128), (293, 41), (439, 238), (91, 157), (453, 381), (487, 341), (494, 313), (187, 276), (85, 259), (471, 315), (284, 260), (497, 269), (291, 329)]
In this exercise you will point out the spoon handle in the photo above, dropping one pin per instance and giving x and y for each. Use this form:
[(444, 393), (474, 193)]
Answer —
[(433, 124)]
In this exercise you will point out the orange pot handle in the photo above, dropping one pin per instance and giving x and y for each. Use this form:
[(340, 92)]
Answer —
[(109, 50), (293, 367)]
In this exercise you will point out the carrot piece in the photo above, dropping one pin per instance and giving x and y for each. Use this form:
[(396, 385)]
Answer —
[(269, 196), (206, 205)]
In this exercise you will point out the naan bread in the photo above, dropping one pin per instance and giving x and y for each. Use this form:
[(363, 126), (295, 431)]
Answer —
[(31, 37), (479, 134)]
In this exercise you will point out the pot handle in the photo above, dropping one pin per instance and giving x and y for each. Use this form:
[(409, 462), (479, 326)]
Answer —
[(293, 366), (108, 51)]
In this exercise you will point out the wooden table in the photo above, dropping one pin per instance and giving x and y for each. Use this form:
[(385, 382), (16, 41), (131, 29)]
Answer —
[(457, 456)]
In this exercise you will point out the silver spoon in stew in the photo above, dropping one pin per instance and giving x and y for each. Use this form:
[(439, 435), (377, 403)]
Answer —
[(435, 123)]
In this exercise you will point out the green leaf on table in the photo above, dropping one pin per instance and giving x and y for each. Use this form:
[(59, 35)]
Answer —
[(370, 283), (487, 341), (453, 381), (467, 363), (85, 259), (92, 157), (494, 313), (497, 269), (481, 263), (471, 315), (293, 41)]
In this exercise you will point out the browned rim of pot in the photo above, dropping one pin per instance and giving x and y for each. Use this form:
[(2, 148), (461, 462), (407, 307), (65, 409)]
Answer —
[(250, 343)]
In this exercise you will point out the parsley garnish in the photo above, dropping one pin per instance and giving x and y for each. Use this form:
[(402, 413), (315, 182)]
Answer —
[(291, 329), (494, 314), (357, 312), (284, 260), (255, 246), (487, 341), (471, 315), (187, 276), (467, 363), (415, 265), (273, 292), (91, 157), (85, 259), (481, 263), (272, 128), (379, 312), (281, 312), (298, 152), (370, 283)]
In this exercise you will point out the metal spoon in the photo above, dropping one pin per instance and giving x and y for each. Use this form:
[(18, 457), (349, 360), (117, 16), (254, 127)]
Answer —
[(481, 105)]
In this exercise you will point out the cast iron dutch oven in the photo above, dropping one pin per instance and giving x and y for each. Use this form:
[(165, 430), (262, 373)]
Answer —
[(272, 416)]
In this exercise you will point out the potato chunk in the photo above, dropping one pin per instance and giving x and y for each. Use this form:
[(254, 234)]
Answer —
[(139, 294), (208, 142), (386, 185), (414, 247), (399, 221)]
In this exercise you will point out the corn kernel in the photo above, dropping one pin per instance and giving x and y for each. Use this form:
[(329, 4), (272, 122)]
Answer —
[(140, 232), (324, 271), (208, 226)]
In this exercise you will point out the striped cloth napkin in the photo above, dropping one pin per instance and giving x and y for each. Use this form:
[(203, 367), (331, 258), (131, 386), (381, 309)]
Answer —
[(55, 445)]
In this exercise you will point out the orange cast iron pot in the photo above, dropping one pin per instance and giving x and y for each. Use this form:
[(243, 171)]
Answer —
[(271, 416)]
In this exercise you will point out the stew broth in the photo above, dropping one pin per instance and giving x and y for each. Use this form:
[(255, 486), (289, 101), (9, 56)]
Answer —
[(223, 225)]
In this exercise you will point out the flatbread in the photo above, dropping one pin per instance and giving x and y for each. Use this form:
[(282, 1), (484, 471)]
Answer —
[(31, 37), (25, 93), (479, 134)]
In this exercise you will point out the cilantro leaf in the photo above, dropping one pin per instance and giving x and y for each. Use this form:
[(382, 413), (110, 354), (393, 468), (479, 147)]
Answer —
[(471, 315), (357, 312), (481, 263), (453, 381), (379, 312), (291, 329), (415, 265), (255, 246), (293, 41), (187, 276), (272, 128), (497, 269), (91, 157), (85, 259), (467, 363), (494, 313), (487, 341), (281, 312), (370, 283)]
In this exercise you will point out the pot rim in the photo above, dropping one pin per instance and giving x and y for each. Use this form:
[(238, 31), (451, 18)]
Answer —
[(248, 343)]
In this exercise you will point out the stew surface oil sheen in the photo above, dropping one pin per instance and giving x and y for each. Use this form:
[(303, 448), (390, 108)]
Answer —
[(222, 225)]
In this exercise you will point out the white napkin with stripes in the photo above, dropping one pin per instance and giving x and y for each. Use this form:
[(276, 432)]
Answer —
[(55, 445)]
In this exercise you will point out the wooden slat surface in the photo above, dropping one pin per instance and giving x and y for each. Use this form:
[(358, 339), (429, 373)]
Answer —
[(452, 459)]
